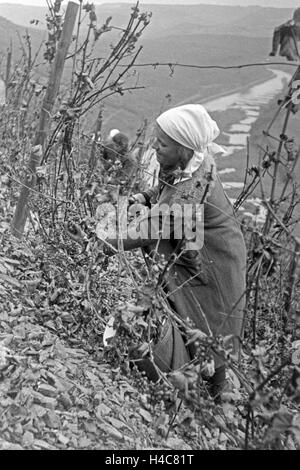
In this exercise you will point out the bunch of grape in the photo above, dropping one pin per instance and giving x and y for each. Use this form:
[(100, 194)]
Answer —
[(161, 392), (140, 380)]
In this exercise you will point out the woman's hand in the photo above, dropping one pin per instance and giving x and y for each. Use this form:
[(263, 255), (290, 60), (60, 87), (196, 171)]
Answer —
[(78, 235), (136, 205)]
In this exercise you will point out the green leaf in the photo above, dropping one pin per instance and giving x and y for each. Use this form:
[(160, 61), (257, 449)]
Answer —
[(38, 410), (52, 420), (28, 439), (63, 439), (10, 280), (38, 443), (92, 377), (178, 380), (176, 443), (282, 422), (117, 423), (146, 415), (84, 442), (47, 390), (102, 410), (107, 429)]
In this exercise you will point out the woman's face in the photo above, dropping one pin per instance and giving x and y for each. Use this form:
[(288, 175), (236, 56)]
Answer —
[(167, 151)]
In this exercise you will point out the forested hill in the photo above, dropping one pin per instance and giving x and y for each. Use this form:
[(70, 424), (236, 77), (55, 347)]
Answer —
[(172, 19), (11, 33), (197, 34)]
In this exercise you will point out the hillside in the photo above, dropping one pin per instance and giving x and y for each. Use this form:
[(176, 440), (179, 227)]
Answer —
[(23, 14), (163, 41), (169, 19), (10, 32), (187, 84), (199, 34), (214, 19)]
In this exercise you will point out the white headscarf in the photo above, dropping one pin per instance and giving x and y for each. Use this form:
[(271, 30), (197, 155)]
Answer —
[(191, 126)]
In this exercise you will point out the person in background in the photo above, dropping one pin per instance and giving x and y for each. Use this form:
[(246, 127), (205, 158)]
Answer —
[(287, 37), (116, 150)]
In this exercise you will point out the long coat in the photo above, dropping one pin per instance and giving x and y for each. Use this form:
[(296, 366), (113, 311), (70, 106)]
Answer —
[(206, 285), (286, 36)]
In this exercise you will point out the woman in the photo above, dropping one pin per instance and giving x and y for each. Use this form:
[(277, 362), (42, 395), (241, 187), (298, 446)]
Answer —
[(206, 283)]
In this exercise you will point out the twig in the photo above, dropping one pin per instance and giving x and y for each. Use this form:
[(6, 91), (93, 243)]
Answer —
[(271, 211), (223, 67), (274, 181)]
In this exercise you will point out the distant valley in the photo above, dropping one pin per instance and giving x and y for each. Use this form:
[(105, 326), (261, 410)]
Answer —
[(167, 20), (199, 34)]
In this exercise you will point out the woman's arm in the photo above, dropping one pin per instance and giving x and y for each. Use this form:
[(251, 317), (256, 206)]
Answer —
[(128, 243), (145, 197), (182, 217), (150, 195)]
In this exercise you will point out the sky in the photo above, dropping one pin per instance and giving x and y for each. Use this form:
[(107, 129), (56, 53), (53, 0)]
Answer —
[(263, 3)]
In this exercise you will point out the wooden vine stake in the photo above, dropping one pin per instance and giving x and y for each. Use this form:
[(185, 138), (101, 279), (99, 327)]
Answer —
[(8, 69), (92, 159), (292, 276), (21, 212)]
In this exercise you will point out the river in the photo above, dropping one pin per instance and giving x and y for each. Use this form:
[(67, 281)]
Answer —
[(249, 103)]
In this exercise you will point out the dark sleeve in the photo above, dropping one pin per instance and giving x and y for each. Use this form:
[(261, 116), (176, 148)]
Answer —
[(182, 218), (189, 215), (146, 229), (150, 195), (276, 40), (129, 243)]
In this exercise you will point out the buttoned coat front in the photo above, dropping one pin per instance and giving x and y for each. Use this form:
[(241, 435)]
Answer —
[(205, 285)]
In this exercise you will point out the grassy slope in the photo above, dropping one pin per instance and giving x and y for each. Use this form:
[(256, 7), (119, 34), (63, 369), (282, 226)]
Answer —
[(12, 33)]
